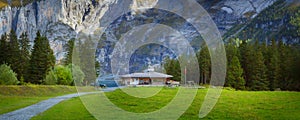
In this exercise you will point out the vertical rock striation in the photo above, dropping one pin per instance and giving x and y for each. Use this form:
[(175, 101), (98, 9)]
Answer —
[(61, 20)]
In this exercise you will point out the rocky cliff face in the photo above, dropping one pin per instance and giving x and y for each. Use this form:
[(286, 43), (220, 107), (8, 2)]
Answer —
[(61, 20), (227, 13)]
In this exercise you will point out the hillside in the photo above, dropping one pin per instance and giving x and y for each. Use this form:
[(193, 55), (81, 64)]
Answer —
[(62, 20), (272, 23)]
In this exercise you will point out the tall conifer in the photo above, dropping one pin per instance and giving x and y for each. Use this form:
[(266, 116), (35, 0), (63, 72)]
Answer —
[(42, 59)]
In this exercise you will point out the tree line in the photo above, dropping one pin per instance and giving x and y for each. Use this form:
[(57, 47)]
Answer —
[(251, 65), (22, 64)]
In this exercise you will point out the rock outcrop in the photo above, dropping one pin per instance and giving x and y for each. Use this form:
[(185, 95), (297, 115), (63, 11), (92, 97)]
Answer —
[(61, 20)]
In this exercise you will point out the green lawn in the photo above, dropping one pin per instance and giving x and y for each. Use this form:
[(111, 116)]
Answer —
[(15, 97), (231, 105)]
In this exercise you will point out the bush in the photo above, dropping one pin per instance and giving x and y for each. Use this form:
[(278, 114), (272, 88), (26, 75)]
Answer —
[(59, 75), (64, 75), (51, 78), (77, 74), (7, 76)]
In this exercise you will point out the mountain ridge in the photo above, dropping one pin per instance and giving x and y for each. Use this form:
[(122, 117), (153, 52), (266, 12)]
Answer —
[(62, 20)]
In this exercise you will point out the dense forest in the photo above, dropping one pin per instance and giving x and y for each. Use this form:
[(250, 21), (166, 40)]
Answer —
[(23, 64), (251, 65), (266, 58)]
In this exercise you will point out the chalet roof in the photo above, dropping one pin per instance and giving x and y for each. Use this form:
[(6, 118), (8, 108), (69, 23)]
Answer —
[(150, 74)]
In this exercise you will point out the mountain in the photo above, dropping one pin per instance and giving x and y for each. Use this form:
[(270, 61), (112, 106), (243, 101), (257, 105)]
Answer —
[(62, 20), (272, 23)]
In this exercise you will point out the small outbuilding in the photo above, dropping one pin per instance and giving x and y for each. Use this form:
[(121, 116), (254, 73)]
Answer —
[(149, 77)]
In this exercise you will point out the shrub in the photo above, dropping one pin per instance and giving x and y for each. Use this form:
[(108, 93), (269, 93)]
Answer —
[(64, 75), (7, 76), (77, 74), (51, 78), (59, 75)]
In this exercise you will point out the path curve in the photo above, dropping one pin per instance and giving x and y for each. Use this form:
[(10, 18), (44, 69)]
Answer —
[(30, 111)]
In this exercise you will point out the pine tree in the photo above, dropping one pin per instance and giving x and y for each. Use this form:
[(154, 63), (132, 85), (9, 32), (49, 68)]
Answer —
[(246, 51), (204, 64), (296, 68), (235, 74), (172, 67), (285, 60), (257, 73), (69, 55), (231, 52), (272, 62), (176, 71), (13, 54), (167, 65), (3, 48), (42, 60), (50, 54), (24, 56)]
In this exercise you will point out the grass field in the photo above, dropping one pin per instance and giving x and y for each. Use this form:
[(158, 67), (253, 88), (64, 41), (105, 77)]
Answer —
[(231, 105), (15, 97)]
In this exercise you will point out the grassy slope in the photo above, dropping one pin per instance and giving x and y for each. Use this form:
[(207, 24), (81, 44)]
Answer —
[(15, 97), (231, 105)]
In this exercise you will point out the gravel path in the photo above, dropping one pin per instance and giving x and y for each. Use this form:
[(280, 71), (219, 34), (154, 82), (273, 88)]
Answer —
[(28, 112), (31, 111)]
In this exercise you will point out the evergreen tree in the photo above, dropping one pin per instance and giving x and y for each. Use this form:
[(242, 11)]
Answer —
[(13, 53), (204, 64), (235, 74), (296, 68), (172, 67), (285, 60), (231, 51), (257, 73), (272, 63), (69, 55), (42, 60), (3, 48), (246, 53), (24, 56)]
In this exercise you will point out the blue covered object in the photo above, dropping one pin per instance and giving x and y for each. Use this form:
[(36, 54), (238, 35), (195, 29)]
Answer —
[(108, 83)]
